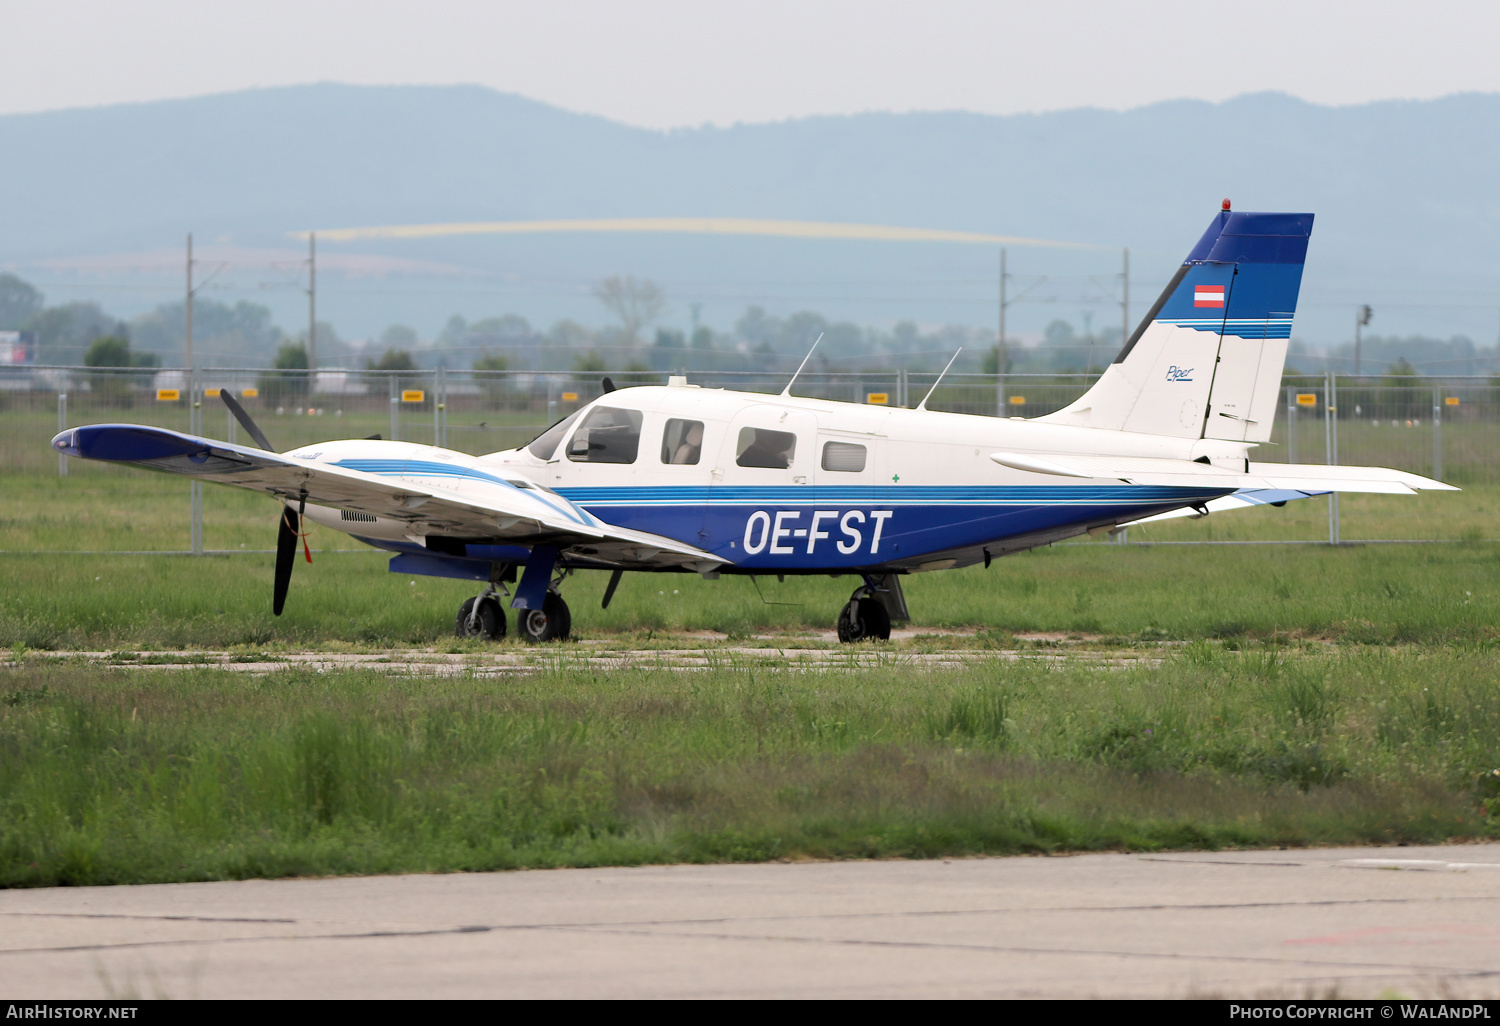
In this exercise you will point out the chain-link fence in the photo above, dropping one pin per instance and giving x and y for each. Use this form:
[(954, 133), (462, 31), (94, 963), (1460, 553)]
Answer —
[(1440, 428)]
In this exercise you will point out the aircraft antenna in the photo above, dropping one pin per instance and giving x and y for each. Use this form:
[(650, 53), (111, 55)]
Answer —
[(788, 389), (923, 404)]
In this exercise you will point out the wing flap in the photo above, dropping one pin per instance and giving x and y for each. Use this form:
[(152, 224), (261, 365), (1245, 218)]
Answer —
[(1246, 499)]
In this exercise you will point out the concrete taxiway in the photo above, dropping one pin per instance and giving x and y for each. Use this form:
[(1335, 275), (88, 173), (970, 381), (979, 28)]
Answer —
[(1358, 922), (792, 653)]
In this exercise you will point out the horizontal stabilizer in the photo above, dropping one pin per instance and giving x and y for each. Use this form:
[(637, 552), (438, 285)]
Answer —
[(1143, 470), (1333, 479)]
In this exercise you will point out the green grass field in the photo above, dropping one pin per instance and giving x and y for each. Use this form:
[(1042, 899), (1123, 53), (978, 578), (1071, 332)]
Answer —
[(116, 776), (1416, 594)]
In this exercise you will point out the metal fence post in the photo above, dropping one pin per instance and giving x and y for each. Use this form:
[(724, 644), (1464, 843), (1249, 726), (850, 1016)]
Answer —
[(1437, 432), (195, 488), (1291, 424), (1331, 447), (437, 407), (390, 378), (62, 425)]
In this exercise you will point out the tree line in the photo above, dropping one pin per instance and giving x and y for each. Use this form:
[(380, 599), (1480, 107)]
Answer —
[(634, 341)]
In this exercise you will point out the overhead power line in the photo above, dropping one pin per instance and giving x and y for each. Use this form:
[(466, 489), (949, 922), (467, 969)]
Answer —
[(690, 226)]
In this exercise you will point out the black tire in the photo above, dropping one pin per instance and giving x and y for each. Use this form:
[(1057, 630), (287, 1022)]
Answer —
[(869, 621), (552, 622), (491, 622)]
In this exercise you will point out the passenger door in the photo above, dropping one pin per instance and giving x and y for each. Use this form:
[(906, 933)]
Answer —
[(751, 479)]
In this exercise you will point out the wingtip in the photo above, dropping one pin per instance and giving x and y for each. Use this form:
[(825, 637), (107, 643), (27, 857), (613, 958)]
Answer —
[(66, 442)]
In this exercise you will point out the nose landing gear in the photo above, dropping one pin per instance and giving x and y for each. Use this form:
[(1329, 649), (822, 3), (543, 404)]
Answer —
[(865, 617)]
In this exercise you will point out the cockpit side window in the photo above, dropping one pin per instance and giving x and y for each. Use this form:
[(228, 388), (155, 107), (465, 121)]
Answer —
[(843, 456), (682, 442), (762, 447), (608, 435), (545, 444)]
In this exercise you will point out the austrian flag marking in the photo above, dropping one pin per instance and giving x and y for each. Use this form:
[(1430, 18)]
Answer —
[(1208, 295)]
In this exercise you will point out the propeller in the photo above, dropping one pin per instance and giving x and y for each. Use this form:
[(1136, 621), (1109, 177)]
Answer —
[(290, 528), (286, 552), (244, 418)]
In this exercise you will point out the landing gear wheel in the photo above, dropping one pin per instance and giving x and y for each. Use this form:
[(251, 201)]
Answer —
[(490, 623), (864, 619), (553, 622)]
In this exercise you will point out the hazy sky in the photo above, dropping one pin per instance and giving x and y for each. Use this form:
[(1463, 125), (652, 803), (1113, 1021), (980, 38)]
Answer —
[(665, 63)]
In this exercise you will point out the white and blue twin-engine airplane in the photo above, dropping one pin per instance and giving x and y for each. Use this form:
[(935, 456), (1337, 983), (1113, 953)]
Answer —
[(679, 478)]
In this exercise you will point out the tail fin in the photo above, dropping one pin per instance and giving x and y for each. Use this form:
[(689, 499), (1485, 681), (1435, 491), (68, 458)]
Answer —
[(1206, 361)]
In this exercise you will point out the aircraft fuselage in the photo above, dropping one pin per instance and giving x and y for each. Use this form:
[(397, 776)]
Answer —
[(848, 487)]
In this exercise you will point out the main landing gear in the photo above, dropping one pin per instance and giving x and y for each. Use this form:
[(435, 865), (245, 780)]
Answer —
[(553, 622), (481, 617), (868, 613), (484, 617)]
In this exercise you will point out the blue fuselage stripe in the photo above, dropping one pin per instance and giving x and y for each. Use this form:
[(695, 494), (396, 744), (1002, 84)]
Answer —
[(815, 527)]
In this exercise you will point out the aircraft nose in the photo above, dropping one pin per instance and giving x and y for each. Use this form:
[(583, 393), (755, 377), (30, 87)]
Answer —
[(66, 442)]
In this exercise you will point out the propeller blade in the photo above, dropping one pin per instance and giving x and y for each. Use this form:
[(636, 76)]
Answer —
[(286, 556), (609, 592), (245, 422), (608, 385)]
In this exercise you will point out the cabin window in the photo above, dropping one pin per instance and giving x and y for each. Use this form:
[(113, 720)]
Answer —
[(545, 444), (682, 442), (609, 435), (762, 447), (844, 456)]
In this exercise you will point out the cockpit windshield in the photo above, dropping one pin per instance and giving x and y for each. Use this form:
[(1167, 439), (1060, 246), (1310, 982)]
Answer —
[(545, 444)]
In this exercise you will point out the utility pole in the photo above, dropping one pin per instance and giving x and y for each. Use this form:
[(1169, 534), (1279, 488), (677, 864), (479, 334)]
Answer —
[(1362, 317), (1125, 301), (188, 356), (193, 290), (1000, 353), (312, 306), (195, 413)]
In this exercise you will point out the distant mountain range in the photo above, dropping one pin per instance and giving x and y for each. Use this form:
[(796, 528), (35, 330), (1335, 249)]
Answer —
[(1404, 192)]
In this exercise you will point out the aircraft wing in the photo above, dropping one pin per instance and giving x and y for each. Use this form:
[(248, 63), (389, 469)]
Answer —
[(1298, 477), (514, 512)]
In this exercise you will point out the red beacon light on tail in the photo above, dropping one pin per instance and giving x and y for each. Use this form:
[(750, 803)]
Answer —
[(1226, 202)]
